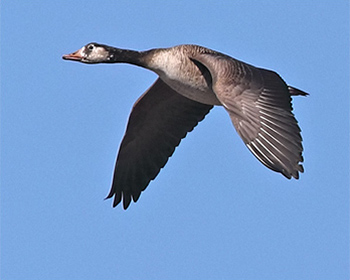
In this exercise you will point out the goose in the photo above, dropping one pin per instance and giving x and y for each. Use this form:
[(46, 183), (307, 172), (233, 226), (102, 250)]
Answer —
[(191, 80)]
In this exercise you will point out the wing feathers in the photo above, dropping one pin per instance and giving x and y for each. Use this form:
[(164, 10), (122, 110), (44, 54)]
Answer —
[(159, 120), (259, 104)]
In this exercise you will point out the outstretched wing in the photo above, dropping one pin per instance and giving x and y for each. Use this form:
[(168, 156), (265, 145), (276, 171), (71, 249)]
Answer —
[(160, 118), (259, 104)]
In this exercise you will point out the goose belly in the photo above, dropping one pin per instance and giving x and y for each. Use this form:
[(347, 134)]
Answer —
[(196, 90)]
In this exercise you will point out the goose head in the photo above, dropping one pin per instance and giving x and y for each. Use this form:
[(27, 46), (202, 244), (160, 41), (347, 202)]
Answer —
[(93, 53)]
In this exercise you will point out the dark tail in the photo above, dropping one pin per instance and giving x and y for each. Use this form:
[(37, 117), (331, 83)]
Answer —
[(295, 91)]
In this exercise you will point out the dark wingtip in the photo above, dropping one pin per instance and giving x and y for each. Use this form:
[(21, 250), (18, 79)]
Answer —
[(294, 173)]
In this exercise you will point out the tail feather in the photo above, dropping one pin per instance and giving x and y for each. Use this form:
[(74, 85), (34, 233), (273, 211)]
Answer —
[(295, 91)]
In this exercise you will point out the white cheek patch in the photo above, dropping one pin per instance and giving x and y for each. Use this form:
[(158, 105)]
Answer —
[(97, 54), (82, 52), (100, 53)]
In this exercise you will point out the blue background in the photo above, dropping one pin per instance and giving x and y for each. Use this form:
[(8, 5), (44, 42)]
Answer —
[(214, 212)]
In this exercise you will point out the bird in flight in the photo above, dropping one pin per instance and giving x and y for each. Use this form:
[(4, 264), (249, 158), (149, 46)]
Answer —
[(192, 79)]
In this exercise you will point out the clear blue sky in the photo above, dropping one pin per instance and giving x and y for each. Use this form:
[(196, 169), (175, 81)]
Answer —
[(214, 212)]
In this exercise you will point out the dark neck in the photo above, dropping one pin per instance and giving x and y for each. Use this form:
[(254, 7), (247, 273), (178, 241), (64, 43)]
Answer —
[(127, 56)]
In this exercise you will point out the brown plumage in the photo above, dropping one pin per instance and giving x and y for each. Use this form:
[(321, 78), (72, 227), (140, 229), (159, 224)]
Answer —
[(191, 80)]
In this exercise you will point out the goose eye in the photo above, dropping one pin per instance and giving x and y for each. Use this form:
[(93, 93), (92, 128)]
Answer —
[(90, 47)]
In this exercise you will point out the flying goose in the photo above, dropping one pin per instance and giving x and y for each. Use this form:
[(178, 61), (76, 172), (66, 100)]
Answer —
[(191, 80)]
